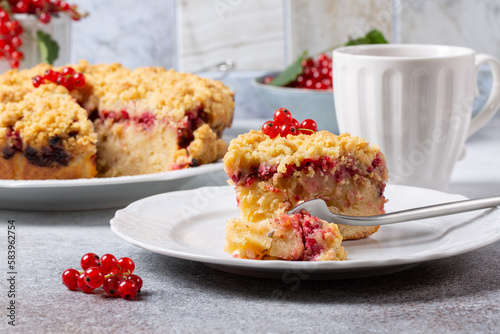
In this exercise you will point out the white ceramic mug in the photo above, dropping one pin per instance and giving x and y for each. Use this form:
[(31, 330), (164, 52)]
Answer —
[(415, 102)]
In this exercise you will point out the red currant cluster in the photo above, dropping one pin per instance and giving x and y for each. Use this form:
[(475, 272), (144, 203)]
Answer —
[(284, 124), (11, 29), (68, 78), (115, 276), (44, 9), (10, 40), (317, 73)]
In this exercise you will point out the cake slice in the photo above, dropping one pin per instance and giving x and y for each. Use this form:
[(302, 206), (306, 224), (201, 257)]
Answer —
[(297, 237), (46, 136), (273, 175)]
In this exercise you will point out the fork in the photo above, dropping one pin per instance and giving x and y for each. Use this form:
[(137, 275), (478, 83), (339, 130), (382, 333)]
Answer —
[(318, 208)]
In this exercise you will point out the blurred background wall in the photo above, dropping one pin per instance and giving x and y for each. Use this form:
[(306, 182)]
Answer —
[(262, 35), (266, 34)]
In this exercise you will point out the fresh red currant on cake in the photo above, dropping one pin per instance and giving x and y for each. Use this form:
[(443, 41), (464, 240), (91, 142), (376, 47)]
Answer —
[(79, 80), (270, 129), (288, 129), (284, 124), (38, 80), (282, 116), (308, 127)]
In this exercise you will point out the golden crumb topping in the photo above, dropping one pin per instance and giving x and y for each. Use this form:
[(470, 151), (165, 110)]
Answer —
[(254, 148), (165, 93), (169, 95), (42, 115)]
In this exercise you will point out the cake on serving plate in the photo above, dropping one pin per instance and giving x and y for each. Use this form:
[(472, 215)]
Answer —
[(273, 175), (119, 122), (297, 237)]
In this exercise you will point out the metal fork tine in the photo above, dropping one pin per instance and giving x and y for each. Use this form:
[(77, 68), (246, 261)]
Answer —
[(318, 208)]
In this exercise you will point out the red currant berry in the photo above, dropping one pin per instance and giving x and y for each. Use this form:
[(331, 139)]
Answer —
[(4, 16), (68, 71), (126, 265), (109, 264), (268, 80), (288, 129), (79, 80), (318, 85), (38, 80), (16, 55), (70, 83), (50, 75), (94, 277), (15, 27), (70, 278), (21, 7), (4, 30), (45, 18), (127, 289), (282, 116), (89, 260), (270, 129), (16, 42), (308, 127), (110, 286), (322, 57), (82, 285), (61, 80), (65, 6), (13, 63), (137, 280), (295, 122)]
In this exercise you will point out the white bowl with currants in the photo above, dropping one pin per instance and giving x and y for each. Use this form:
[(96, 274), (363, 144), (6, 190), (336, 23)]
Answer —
[(305, 87)]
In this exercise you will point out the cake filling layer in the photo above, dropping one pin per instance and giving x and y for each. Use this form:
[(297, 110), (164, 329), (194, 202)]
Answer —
[(297, 237)]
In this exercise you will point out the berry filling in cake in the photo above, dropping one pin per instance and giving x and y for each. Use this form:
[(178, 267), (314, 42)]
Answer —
[(297, 237), (48, 155)]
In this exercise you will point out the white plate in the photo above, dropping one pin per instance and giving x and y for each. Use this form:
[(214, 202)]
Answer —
[(116, 192), (191, 225), (102, 193)]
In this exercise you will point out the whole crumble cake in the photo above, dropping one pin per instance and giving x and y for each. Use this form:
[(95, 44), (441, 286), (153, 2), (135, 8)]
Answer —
[(120, 122), (273, 175)]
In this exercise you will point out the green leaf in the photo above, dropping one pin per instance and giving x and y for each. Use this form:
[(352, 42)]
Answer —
[(290, 73), (49, 50), (372, 37)]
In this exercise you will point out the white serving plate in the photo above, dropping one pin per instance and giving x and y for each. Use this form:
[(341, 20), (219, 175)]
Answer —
[(191, 225), (103, 193)]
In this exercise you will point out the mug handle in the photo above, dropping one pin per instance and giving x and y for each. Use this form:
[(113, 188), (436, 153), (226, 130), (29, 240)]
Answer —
[(493, 103)]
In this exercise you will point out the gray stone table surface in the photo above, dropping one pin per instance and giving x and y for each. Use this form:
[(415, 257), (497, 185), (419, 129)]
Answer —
[(453, 295)]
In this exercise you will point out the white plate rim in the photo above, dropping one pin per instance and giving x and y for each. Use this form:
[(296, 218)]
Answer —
[(163, 176), (319, 266)]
